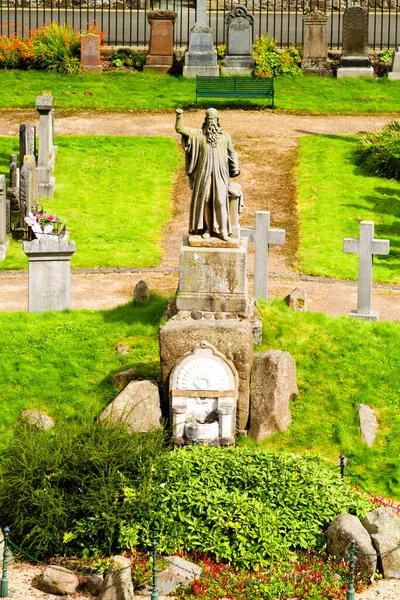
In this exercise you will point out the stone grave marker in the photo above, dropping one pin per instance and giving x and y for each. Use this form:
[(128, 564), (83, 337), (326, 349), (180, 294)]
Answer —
[(355, 61), (315, 47), (49, 273), (27, 141), (203, 396), (161, 49), (27, 194), (395, 72), (3, 218), (262, 236), (13, 190), (90, 52), (239, 34), (201, 57), (45, 184), (365, 246)]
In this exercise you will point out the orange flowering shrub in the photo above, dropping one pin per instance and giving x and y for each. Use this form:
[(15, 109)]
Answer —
[(15, 53)]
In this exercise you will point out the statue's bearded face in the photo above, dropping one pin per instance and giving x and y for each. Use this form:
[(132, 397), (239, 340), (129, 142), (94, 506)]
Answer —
[(211, 129)]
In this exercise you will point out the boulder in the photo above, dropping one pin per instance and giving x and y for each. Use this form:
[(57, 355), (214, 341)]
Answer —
[(141, 293), (37, 419), (57, 580), (138, 406), (117, 584), (179, 572), (94, 584), (368, 424), (341, 531), (390, 561), (383, 521), (272, 387), (11, 558), (121, 380), (297, 300)]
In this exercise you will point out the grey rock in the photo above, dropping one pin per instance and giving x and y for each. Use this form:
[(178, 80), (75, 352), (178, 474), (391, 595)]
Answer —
[(297, 300), (196, 315), (137, 406), (368, 424), (170, 309), (272, 386), (180, 572), (94, 584), (121, 380), (341, 531), (383, 521), (37, 419), (141, 292), (390, 561), (117, 584), (57, 580)]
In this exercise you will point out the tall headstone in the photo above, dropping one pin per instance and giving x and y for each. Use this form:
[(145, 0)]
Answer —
[(201, 58), (13, 190), (315, 48), (3, 218), (90, 52), (27, 194), (161, 49), (366, 246), (355, 61), (49, 273), (395, 72), (239, 35), (45, 183), (27, 141)]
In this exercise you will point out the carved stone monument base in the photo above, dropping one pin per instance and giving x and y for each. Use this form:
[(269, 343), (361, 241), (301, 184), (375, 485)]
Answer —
[(372, 316), (45, 183), (316, 66), (201, 58), (238, 65), (355, 72), (87, 68), (213, 279)]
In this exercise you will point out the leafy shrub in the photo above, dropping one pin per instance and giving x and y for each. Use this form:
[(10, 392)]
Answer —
[(122, 58), (15, 53), (270, 61), (221, 51), (379, 153)]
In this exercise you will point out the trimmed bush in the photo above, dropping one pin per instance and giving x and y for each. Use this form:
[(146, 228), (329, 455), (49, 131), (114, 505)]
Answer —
[(379, 153)]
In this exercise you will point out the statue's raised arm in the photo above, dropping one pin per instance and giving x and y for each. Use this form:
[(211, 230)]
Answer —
[(179, 125)]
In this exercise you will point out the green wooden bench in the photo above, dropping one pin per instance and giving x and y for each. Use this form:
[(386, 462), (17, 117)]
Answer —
[(235, 87)]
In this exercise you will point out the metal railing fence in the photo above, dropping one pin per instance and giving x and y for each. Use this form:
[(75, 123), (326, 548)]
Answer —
[(125, 21)]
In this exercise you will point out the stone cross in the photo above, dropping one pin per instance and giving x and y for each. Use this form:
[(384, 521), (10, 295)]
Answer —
[(365, 246), (3, 217), (262, 236)]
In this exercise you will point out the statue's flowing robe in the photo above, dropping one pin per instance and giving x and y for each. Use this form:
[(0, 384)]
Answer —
[(209, 169)]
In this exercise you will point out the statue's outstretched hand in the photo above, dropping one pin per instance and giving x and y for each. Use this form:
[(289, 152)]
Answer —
[(179, 111)]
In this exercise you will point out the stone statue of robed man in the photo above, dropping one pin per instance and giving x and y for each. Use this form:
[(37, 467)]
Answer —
[(210, 161)]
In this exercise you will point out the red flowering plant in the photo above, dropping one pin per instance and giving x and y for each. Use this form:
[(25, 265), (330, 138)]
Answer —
[(42, 223)]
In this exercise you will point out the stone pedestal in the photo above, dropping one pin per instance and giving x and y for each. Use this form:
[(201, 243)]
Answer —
[(161, 50), (315, 49), (239, 59), (395, 72), (355, 61), (201, 58), (90, 52), (45, 184), (213, 279), (49, 273)]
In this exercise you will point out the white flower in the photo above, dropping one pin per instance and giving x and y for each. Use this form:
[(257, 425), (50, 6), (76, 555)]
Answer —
[(163, 485)]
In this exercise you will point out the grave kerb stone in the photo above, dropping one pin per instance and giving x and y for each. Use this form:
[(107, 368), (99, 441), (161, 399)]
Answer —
[(239, 34), (262, 236), (3, 217), (365, 246), (90, 52)]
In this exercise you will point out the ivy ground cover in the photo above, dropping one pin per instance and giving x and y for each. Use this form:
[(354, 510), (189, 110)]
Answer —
[(334, 195), (114, 193)]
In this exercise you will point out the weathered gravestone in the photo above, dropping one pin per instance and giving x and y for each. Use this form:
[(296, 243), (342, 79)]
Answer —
[(13, 190), (3, 217), (27, 195), (395, 72), (315, 48), (161, 48), (49, 273), (27, 142), (90, 52), (262, 236), (201, 57), (45, 183), (239, 35), (365, 247), (355, 61)]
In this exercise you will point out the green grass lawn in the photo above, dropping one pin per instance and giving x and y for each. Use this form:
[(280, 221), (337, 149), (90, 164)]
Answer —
[(62, 363), (114, 194), (334, 195), (122, 90)]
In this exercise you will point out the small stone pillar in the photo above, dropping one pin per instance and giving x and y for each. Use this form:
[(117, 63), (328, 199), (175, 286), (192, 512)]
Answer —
[(49, 273), (90, 52), (315, 49), (45, 184), (161, 50)]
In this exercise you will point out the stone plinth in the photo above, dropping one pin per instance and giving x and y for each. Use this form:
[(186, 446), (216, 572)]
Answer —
[(355, 61), (395, 72), (239, 59), (201, 58), (90, 52), (231, 337), (49, 273), (315, 49), (161, 49), (213, 279)]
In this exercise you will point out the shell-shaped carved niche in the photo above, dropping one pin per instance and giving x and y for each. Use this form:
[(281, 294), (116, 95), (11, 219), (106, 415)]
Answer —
[(202, 373)]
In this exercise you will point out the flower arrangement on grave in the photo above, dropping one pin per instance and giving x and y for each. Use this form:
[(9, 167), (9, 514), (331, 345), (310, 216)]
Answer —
[(42, 223)]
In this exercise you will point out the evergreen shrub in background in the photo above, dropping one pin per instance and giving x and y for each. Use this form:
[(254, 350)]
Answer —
[(379, 153)]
